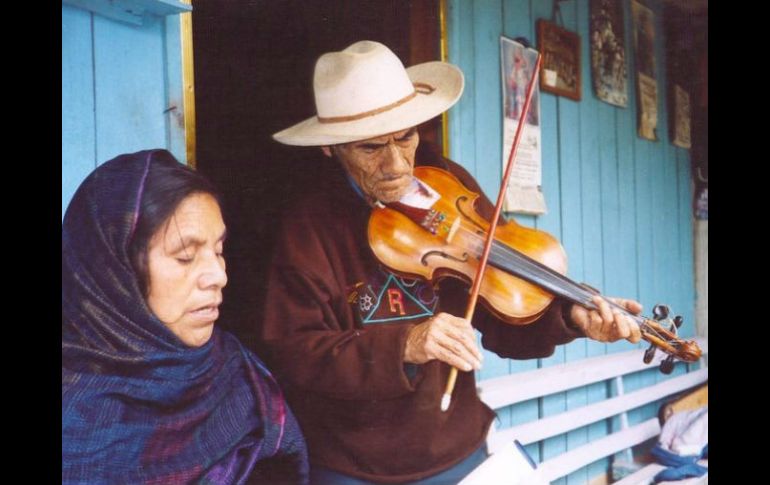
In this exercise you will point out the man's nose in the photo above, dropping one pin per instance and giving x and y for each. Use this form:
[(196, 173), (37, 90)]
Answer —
[(394, 162)]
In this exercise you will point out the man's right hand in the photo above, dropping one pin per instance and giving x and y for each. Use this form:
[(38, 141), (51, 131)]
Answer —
[(444, 337)]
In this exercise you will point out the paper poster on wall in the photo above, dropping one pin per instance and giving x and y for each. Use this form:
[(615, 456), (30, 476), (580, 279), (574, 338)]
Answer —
[(646, 85), (608, 52), (524, 192)]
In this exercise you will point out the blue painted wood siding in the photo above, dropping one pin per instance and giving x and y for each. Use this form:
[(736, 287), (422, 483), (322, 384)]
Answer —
[(619, 204), (118, 81)]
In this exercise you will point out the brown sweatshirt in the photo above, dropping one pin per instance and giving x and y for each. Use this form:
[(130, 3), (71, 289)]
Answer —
[(335, 328)]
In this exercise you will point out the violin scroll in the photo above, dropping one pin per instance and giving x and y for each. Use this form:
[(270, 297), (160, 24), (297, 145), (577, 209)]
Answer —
[(654, 331)]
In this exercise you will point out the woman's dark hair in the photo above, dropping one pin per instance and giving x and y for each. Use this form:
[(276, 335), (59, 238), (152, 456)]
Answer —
[(167, 184)]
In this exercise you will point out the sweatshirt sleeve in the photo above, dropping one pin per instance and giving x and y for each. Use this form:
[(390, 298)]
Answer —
[(309, 332), (530, 341), (535, 340)]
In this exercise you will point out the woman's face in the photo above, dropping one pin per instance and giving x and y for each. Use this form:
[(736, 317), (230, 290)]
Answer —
[(187, 270)]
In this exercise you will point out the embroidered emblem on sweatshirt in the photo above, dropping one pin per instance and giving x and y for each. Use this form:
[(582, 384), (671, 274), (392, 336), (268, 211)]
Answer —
[(389, 298)]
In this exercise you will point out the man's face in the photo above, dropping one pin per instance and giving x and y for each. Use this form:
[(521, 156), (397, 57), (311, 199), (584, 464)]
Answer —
[(381, 166)]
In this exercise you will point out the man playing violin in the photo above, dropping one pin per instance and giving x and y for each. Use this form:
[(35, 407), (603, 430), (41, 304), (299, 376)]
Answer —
[(362, 351)]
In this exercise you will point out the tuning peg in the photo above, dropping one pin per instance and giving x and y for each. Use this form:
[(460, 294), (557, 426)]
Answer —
[(649, 354), (660, 312), (667, 365), (678, 320)]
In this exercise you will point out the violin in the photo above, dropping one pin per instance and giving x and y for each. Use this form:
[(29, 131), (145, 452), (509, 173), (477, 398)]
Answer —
[(525, 269)]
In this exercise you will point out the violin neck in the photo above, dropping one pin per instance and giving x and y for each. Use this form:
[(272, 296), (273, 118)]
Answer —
[(519, 264)]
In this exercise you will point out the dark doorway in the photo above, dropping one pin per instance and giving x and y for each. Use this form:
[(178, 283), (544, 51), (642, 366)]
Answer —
[(253, 76)]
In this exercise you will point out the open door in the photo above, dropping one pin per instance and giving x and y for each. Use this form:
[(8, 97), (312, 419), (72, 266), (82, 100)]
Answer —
[(253, 76)]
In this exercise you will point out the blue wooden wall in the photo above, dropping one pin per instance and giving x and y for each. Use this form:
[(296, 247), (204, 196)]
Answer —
[(118, 81), (619, 204)]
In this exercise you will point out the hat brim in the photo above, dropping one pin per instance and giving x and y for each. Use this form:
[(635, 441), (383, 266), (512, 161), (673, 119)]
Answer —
[(447, 80)]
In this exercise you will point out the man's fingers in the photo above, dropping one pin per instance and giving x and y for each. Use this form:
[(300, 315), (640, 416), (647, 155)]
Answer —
[(459, 349), (604, 308), (454, 360), (460, 330), (622, 324), (636, 332), (632, 306), (446, 338), (596, 319), (468, 339), (452, 355)]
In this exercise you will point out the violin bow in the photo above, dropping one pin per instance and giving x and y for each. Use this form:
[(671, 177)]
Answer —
[(446, 399)]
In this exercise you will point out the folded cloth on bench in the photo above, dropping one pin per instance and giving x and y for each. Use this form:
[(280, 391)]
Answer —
[(683, 441)]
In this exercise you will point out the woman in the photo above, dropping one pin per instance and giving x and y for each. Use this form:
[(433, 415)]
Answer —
[(152, 392)]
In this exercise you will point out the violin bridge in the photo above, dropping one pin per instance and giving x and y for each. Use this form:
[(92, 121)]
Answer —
[(453, 230)]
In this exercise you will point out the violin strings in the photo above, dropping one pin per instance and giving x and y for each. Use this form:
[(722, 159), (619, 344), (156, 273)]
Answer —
[(519, 264), (537, 273), (569, 288), (523, 266), (550, 279)]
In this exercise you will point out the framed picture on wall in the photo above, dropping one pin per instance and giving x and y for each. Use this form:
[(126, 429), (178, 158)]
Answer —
[(560, 73), (608, 52)]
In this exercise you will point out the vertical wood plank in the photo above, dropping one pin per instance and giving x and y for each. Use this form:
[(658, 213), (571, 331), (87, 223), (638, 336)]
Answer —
[(685, 265), (572, 231), (463, 22), (596, 144), (462, 115), (488, 133), (130, 87), (625, 122), (645, 176), (659, 212), (551, 221), (516, 15), (634, 381), (620, 273), (77, 101), (646, 181), (673, 282), (488, 127), (574, 15)]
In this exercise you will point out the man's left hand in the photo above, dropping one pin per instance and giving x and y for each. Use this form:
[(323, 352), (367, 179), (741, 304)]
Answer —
[(608, 324)]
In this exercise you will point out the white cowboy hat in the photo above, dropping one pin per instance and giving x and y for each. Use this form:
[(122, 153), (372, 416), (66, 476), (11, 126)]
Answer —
[(364, 91)]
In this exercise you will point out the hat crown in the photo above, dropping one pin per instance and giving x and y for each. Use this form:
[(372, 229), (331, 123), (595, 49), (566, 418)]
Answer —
[(365, 76)]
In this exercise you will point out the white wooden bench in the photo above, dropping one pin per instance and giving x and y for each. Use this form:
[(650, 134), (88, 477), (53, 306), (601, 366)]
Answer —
[(504, 391)]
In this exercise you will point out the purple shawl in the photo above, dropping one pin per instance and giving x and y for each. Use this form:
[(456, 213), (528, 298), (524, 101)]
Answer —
[(138, 406)]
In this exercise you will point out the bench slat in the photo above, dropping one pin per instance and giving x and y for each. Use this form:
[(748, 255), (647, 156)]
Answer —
[(515, 388), (521, 387), (581, 456), (561, 423)]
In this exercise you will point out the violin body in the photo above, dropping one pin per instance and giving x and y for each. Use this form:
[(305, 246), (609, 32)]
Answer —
[(450, 246)]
